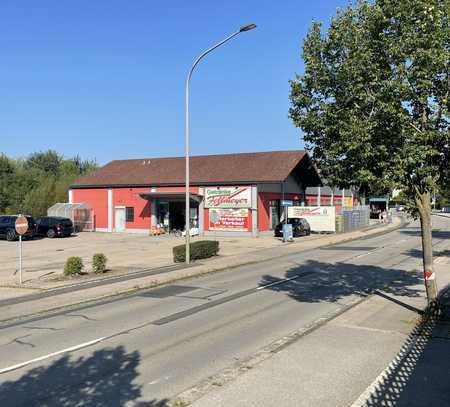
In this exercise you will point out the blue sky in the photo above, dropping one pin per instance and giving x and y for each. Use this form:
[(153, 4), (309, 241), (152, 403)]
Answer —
[(105, 79)]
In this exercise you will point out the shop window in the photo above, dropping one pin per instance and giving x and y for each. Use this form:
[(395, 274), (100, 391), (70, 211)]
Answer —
[(129, 213)]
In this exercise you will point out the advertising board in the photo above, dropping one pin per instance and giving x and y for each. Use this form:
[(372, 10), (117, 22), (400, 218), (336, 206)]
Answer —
[(320, 218), (228, 219), (228, 197)]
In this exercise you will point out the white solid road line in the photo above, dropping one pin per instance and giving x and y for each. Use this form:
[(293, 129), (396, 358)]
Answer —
[(71, 349), (364, 254), (277, 282)]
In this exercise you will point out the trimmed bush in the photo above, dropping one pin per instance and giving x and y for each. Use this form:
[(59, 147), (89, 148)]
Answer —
[(74, 265), (99, 263), (199, 250)]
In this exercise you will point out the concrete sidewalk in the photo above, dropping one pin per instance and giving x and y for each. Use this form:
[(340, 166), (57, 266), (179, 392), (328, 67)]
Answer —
[(62, 295), (376, 354)]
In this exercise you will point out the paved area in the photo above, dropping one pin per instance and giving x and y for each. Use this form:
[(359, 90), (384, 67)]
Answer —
[(379, 353), (145, 348), (54, 294), (43, 259)]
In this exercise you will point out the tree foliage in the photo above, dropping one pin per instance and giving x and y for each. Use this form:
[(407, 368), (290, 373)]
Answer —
[(33, 184), (373, 101)]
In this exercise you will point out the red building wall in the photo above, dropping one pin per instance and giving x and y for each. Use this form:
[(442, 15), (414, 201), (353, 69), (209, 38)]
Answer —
[(206, 219), (264, 199), (129, 197), (97, 199)]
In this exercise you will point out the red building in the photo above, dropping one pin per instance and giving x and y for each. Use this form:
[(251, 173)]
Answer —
[(230, 193)]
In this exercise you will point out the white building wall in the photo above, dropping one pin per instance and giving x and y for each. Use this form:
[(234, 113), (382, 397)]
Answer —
[(110, 210)]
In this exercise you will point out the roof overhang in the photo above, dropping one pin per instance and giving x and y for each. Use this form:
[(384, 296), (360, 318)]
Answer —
[(170, 196), (378, 199)]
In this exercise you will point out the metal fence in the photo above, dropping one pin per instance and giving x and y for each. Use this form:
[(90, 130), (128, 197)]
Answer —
[(349, 219), (79, 213)]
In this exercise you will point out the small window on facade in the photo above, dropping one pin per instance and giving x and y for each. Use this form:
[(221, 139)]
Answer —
[(129, 214)]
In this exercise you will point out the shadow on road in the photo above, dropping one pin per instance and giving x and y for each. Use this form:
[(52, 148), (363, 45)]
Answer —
[(331, 282), (417, 253), (437, 234), (104, 379), (420, 373)]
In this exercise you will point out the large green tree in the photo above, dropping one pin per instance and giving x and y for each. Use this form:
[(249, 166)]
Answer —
[(373, 102)]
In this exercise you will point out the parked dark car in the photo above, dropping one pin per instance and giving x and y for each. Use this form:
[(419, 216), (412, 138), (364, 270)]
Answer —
[(53, 226), (300, 227), (8, 228)]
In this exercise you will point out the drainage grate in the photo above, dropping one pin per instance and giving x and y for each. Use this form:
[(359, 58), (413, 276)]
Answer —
[(167, 291)]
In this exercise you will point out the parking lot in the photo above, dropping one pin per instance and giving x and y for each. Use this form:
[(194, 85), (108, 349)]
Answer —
[(43, 258)]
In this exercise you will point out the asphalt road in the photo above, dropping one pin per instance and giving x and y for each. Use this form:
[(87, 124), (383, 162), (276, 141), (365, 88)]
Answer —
[(146, 348)]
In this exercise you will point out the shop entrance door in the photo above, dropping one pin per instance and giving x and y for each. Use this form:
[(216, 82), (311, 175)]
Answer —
[(274, 214), (119, 219), (171, 215), (176, 215)]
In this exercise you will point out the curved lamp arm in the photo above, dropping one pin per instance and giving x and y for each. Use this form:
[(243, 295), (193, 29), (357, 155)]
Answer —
[(187, 227)]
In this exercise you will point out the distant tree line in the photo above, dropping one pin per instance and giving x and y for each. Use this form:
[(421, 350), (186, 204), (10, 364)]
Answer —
[(31, 185)]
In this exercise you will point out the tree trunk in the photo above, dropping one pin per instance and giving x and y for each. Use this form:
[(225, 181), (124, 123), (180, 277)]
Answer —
[(423, 203)]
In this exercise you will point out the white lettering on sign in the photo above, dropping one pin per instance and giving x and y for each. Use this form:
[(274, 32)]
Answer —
[(228, 197), (228, 219), (21, 225)]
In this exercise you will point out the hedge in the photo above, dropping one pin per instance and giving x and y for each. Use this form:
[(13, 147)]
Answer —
[(74, 265), (199, 250), (99, 263)]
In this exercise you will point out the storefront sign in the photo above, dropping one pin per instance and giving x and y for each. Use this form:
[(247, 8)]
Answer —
[(320, 218), (228, 219), (228, 197)]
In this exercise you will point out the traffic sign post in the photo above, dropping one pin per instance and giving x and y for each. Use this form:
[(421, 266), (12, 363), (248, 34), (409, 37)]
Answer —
[(21, 228), (20, 259)]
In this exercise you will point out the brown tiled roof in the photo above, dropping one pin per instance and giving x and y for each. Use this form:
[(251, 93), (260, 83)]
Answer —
[(273, 166)]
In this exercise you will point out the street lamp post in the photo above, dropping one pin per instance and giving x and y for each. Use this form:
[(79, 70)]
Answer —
[(187, 227)]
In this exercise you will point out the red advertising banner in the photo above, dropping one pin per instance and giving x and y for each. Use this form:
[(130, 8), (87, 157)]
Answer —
[(228, 219)]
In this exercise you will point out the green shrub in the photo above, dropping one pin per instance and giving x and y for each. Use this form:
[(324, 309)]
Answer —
[(99, 263), (74, 265), (199, 250)]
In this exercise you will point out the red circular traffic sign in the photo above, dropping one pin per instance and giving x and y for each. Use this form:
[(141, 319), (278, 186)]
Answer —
[(21, 225)]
